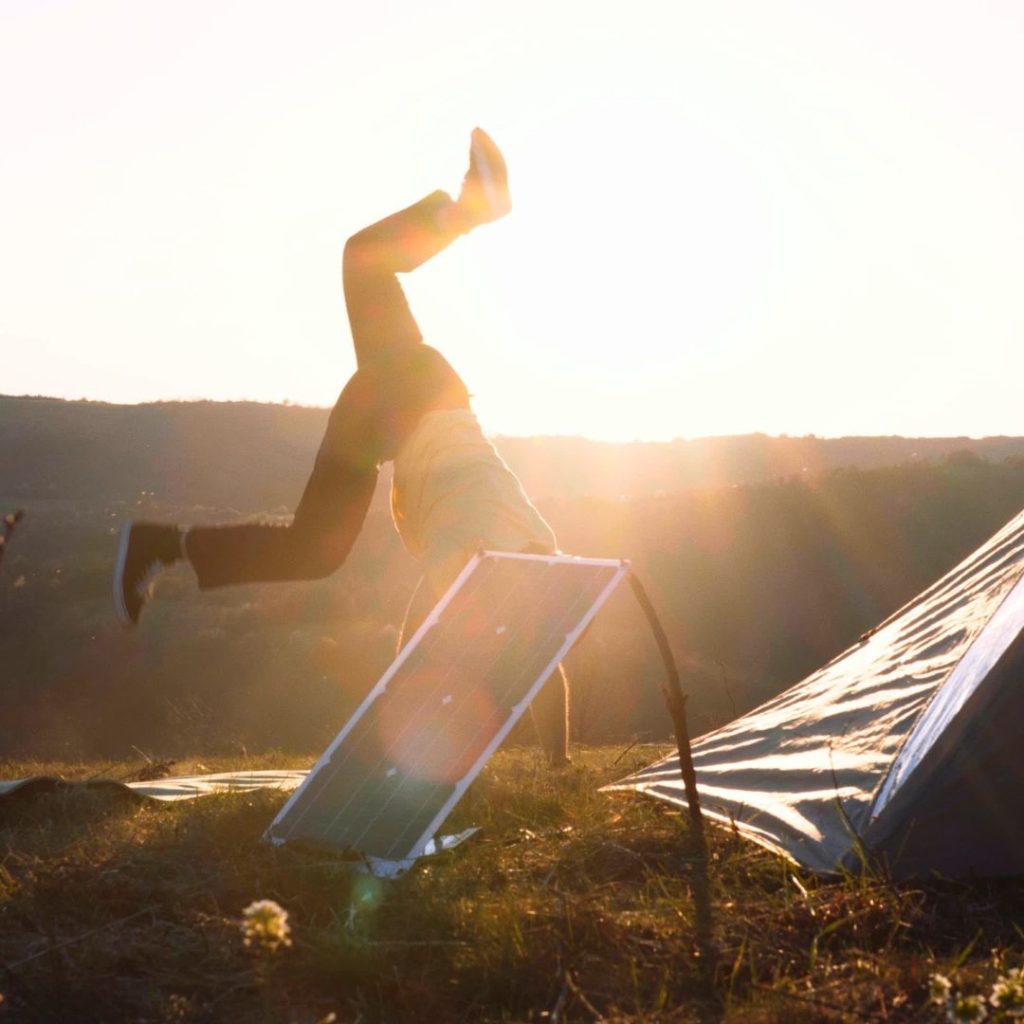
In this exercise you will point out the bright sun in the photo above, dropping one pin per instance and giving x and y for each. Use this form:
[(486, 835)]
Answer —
[(616, 284)]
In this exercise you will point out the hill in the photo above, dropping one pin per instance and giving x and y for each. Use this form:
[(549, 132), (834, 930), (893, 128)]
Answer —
[(255, 457), (758, 579)]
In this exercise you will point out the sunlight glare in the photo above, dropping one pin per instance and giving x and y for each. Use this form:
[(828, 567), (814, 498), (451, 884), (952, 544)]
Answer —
[(621, 234)]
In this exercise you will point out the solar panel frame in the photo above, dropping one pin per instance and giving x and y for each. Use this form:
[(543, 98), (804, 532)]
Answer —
[(277, 833)]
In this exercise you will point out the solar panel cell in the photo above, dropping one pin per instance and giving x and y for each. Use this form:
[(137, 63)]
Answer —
[(451, 696)]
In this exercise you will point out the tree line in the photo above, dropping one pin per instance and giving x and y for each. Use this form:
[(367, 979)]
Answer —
[(757, 584)]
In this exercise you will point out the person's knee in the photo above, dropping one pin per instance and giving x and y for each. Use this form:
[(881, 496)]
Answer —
[(316, 555), (358, 254), (318, 565)]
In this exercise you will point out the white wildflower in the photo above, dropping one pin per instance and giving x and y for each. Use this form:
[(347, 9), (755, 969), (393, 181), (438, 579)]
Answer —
[(939, 988), (265, 925), (963, 1009), (1008, 994)]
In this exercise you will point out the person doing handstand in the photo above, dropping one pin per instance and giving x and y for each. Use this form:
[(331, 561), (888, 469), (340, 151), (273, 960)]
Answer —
[(452, 495)]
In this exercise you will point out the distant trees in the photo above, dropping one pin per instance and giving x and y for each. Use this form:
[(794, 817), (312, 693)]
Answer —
[(255, 457), (756, 586), (764, 557)]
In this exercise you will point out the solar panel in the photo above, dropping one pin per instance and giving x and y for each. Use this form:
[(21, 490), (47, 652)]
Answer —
[(411, 749)]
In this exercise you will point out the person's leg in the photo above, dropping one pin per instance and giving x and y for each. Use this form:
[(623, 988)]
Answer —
[(382, 324), (550, 712), (327, 519), (324, 528), (549, 709), (378, 312), (412, 378)]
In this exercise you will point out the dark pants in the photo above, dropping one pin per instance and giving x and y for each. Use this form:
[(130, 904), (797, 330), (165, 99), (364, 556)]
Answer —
[(397, 380)]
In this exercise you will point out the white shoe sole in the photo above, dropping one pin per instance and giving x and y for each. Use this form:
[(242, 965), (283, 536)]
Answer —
[(497, 202)]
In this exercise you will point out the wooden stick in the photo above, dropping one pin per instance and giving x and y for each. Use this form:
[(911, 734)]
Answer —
[(676, 701)]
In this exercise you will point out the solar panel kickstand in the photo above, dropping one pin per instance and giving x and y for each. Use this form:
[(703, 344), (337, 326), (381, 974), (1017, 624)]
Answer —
[(675, 699), (379, 867)]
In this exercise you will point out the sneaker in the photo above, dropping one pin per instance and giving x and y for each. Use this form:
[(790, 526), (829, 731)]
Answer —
[(484, 196), (145, 550)]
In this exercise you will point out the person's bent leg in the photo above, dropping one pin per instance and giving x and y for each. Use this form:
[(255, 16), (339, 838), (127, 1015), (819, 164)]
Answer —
[(312, 546), (327, 519), (550, 712), (326, 523), (549, 709), (378, 312)]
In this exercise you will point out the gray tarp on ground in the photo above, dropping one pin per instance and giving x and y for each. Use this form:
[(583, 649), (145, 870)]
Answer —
[(909, 746), (184, 788)]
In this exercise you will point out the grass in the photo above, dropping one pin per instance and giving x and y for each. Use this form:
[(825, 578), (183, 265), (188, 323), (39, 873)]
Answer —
[(569, 905)]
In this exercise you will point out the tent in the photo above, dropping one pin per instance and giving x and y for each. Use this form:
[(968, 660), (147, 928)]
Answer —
[(905, 750)]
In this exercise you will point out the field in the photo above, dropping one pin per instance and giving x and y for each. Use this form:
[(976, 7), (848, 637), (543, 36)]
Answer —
[(568, 905)]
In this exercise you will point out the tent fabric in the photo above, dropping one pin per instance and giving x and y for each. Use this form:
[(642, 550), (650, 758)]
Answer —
[(183, 788), (906, 750)]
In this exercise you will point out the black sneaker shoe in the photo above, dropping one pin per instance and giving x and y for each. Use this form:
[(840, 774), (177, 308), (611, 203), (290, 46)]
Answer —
[(145, 550), (485, 195)]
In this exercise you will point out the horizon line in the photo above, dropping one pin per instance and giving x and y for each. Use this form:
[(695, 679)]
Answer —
[(287, 404)]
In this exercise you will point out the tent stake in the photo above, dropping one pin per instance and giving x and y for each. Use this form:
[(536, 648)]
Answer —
[(676, 701)]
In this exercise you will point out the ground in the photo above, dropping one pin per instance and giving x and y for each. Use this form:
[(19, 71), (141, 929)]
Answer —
[(569, 904)]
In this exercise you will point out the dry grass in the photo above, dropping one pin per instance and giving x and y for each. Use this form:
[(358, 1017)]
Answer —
[(570, 905)]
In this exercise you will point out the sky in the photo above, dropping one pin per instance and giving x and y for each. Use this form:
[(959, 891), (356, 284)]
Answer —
[(787, 217)]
